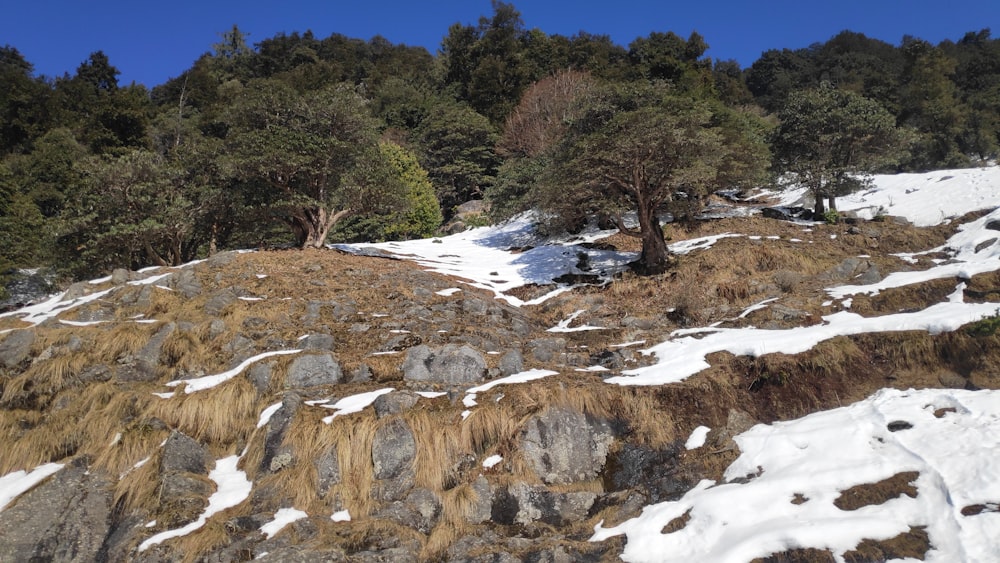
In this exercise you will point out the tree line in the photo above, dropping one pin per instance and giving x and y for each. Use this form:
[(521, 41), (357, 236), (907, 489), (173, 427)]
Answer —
[(301, 140)]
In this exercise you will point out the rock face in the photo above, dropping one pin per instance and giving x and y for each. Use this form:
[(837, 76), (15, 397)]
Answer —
[(393, 451), (565, 446), (65, 518), (313, 370), (450, 365)]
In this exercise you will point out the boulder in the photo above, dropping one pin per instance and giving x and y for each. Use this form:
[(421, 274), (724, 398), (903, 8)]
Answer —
[(524, 504), (276, 428), (145, 364), (565, 446), (15, 348), (183, 454), (511, 362), (394, 450), (547, 349), (65, 518), (313, 370), (396, 402), (219, 301), (187, 283), (450, 365), (317, 342)]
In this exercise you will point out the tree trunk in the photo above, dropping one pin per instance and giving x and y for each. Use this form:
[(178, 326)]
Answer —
[(655, 257), (831, 202), (820, 208)]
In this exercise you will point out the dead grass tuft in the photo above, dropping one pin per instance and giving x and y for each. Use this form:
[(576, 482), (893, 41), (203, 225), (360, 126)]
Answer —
[(912, 544), (222, 415), (881, 492)]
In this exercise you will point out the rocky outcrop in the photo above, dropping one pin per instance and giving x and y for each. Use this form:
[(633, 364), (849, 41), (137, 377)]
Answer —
[(312, 370), (65, 518), (448, 365), (394, 450), (566, 446)]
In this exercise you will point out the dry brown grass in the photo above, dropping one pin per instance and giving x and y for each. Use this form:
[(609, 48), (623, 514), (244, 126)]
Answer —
[(122, 340), (223, 415)]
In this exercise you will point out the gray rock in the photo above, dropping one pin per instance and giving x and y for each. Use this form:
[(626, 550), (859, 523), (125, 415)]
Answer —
[(512, 362), (539, 504), (77, 290), (547, 349), (993, 224), (394, 450), (313, 370), (145, 364), (327, 471), (276, 428), (120, 276), (318, 342), (396, 402), (260, 375), (15, 348), (361, 374), (566, 446), (187, 283), (295, 554), (450, 365), (474, 306), (183, 454), (219, 301), (480, 510), (216, 327), (65, 518), (420, 511), (240, 347), (220, 259)]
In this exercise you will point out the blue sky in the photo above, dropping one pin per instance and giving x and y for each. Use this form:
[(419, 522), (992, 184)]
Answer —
[(150, 42)]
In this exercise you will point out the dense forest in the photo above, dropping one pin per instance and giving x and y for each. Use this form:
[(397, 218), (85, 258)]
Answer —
[(300, 140)]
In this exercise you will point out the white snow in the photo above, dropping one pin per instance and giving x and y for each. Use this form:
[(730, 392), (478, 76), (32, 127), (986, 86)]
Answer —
[(697, 438), (53, 307), (820, 455), (282, 518), (431, 394), (341, 516), (563, 325), (209, 381), (267, 413), (232, 488), (683, 357), (448, 292), (354, 403), (924, 199), (489, 462), (13, 485), (522, 377)]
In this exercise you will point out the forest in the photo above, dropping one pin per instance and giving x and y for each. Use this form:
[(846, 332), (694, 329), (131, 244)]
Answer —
[(301, 141)]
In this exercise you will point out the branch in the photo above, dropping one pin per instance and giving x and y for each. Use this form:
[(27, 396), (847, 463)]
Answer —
[(623, 229)]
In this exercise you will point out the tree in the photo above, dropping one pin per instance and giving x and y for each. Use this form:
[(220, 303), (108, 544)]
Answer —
[(831, 140), (300, 150), (641, 147), (456, 147)]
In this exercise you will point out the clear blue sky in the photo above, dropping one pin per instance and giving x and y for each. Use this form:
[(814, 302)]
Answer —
[(150, 42)]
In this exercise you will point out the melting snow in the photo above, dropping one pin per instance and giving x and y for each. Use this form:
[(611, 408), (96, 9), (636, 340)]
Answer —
[(13, 485), (209, 381), (953, 444), (282, 518), (697, 438), (354, 403), (232, 488)]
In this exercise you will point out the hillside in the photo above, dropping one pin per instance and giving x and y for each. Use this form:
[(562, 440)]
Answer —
[(789, 392)]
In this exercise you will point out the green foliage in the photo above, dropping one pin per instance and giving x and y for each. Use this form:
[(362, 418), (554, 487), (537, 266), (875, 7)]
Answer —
[(985, 327), (456, 147), (299, 148), (831, 217), (831, 140), (422, 215), (639, 147)]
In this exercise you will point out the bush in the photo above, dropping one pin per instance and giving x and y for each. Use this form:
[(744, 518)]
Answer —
[(985, 327)]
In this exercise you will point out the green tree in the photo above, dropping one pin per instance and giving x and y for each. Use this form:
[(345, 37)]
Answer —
[(422, 213), (300, 150), (456, 147), (831, 141), (643, 148)]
